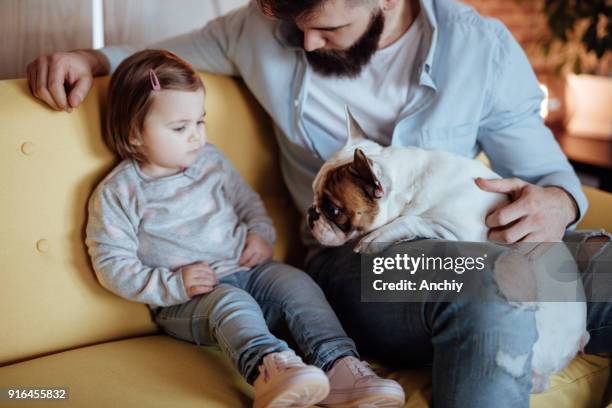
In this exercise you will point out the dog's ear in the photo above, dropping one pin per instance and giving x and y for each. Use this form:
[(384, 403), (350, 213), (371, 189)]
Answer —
[(362, 169), (355, 132)]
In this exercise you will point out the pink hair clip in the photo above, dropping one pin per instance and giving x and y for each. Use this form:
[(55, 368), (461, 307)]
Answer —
[(154, 80)]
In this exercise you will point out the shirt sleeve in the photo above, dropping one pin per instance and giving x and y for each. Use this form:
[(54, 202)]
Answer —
[(513, 134), (209, 48), (247, 203), (112, 243)]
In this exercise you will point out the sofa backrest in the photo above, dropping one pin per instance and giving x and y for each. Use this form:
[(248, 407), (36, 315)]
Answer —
[(50, 163)]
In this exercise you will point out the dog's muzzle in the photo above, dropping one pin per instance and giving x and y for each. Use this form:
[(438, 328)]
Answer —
[(313, 215)]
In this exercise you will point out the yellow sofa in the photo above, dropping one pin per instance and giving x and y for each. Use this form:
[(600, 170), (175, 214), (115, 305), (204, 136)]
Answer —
[(60, 328)]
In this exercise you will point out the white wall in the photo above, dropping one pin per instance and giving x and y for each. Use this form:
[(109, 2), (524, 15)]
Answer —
[(142, 21), (29, 28)]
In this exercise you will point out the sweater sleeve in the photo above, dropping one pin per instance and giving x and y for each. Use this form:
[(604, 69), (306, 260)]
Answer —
[(112, 242), (513, 134), (247, 203)]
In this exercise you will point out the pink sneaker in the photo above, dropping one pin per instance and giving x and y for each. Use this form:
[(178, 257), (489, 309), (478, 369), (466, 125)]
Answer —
[(354, 384), (285, 381)]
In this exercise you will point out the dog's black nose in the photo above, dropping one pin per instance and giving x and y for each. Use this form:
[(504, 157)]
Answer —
[(313, 215)]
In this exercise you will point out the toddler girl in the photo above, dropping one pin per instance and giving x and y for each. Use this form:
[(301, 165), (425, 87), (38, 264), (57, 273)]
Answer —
[(175, 226)]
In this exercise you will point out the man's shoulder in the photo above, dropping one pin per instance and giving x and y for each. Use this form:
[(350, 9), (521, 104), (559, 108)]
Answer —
[(456, 18), (249, 22)]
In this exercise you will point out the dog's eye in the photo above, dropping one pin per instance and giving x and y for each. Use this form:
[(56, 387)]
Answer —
[(330, 209), (335, 215)]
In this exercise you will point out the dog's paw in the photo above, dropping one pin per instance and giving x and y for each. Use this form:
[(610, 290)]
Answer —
[(584, 340), (375, 244), (371, 244), (386, 236), (539, 383), (370, 248)]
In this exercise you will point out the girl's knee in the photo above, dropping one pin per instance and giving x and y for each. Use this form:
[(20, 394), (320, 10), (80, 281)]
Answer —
[(295, 280), (226, 297)]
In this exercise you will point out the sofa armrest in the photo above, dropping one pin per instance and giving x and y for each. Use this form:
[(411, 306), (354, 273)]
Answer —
[(599, 214)]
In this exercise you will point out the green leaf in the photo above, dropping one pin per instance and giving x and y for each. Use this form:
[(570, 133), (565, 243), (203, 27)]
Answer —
[(562, 18)]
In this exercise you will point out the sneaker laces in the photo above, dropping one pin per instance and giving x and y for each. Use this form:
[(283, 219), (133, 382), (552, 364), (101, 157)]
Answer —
[(361, 369), (282, 360), (285, 360)]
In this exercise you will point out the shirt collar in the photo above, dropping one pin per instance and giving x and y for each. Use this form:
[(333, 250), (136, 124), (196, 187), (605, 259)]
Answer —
[(430, 38), (193, 172)]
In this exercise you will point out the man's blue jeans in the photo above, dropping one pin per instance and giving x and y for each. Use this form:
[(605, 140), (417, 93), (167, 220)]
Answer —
[(460, 339)]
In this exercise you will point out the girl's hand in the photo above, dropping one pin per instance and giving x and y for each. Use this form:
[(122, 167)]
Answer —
[(198, 278), (256, 250)]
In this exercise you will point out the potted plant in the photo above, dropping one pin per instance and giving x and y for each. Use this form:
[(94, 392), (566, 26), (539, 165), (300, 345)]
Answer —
[(580, 35), (579, 48)]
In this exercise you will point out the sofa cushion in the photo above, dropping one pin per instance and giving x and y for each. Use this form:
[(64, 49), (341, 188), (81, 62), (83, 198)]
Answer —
[(582, 384), (598, 215), (159, 371), (151, 371)]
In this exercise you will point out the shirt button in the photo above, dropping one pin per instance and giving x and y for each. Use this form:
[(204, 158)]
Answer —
[(296, 103), (27, 148), (427, 68)]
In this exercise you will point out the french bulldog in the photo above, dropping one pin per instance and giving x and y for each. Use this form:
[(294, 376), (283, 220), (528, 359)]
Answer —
[(381, 195), (375, 196)]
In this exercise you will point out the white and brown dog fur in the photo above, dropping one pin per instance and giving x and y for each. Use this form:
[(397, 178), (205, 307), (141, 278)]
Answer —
[(375, 196)]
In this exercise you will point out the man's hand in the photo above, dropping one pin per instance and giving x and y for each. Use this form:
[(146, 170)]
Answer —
[(63, 79), (535, 214), (256, 250), (198, 278)]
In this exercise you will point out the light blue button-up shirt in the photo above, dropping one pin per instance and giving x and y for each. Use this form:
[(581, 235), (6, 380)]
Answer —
[(473, 90)]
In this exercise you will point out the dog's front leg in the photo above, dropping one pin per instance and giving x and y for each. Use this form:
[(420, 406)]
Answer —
[(403, 228)]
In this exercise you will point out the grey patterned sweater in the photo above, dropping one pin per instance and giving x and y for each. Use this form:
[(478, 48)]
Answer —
[(141, 230)]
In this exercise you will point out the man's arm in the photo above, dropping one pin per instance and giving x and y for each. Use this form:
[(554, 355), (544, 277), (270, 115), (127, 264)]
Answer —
[(519, 145), (50, 76), (208, 49)]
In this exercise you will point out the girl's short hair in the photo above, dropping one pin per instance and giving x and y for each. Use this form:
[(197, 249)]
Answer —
[(130, 95)]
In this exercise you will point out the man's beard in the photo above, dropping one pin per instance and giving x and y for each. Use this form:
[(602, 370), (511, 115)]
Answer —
[(349, 62)]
